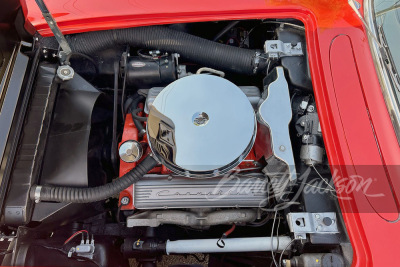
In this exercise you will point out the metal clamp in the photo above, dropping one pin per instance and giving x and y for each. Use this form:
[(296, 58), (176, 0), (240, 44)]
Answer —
[(302, 223), (276, 49)]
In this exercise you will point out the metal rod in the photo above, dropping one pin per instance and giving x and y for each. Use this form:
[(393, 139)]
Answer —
[(54, 28), (250, 244)]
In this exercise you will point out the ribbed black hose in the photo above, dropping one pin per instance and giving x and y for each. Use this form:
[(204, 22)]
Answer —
[(93, 194), (193, 48)]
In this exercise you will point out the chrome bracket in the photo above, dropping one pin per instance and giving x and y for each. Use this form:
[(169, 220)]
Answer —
[(302, 223), (276, 49), (275, 112)]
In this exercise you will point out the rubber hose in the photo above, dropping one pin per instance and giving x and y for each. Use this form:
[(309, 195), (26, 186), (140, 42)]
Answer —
[(92, 194), (195, 49), (136, 99)]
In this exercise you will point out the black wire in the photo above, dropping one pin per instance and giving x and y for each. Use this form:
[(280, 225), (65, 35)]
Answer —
[(65, 253), (84, 56), (197, 257), (125, 57), (139, 52), (115, 118), (225, 30), (135, 116)]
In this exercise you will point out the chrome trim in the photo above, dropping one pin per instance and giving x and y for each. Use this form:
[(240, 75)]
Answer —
[(201, 126)]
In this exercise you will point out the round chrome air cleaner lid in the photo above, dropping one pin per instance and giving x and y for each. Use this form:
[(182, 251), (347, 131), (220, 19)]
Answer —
[(201, 126)]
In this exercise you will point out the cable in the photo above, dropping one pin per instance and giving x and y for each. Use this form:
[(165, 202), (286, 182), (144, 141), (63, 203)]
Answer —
[(114, 145), (230, 230), (273, 226), (125, 60), (76, 234), (283, 251), (323, 179), (225, 30), (86, 57), (272, 243), (221, 242), (197, 257)]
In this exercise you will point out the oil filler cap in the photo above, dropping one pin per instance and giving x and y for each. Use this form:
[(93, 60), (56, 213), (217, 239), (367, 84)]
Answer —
[(201, 126)]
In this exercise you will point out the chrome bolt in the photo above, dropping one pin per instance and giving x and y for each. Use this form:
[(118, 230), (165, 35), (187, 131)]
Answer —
[(125, 200), (310, 108)]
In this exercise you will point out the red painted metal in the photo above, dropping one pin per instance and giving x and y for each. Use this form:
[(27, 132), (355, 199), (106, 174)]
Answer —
[(362, 135), (130, 133)]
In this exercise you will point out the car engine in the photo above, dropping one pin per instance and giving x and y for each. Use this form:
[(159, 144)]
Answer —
[(198, 139)]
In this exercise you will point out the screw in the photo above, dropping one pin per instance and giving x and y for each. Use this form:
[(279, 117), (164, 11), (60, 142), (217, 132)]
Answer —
[(302, 123), (65, 72), (282, 148), (317, 216), (310, 108)]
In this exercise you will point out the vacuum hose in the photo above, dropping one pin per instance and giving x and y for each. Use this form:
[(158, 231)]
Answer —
[(92, 194), (193, 48)]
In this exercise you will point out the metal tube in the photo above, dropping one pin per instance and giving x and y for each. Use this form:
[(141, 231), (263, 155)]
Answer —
[(231, 245)]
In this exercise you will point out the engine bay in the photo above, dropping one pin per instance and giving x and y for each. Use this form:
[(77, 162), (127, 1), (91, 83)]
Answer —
[(196, 139)]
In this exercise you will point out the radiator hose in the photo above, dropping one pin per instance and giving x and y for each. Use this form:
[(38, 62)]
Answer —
[(92, 194), (193, 48)]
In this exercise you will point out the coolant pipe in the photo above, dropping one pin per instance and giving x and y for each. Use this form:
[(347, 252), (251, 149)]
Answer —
[(250, 244)]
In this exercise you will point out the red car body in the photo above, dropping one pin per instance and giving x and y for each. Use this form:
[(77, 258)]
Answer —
[(355, 122)]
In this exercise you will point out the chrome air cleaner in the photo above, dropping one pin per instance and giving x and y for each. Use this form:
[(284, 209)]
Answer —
[(201, 126)]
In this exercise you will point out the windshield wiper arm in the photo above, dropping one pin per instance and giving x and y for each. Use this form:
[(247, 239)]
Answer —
[(380, 40)]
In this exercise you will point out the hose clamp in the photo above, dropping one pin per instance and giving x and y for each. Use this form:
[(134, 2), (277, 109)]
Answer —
[(38, 189), (256, 61)]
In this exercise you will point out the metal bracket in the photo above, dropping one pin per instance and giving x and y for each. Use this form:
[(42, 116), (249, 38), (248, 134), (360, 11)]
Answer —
[(275, 112), (302, 223), (66, 49), (276, 49)]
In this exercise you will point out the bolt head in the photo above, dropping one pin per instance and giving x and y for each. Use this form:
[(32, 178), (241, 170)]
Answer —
[(125, 200)]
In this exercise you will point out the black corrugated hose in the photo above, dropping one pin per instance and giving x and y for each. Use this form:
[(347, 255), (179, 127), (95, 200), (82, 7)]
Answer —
[(92, 194), (193, 48)]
